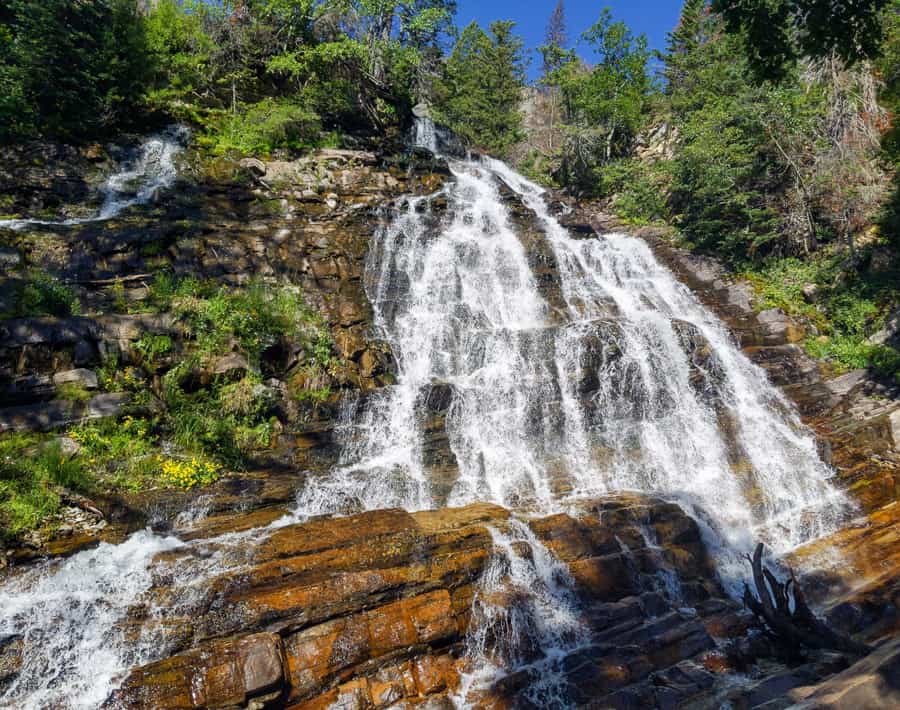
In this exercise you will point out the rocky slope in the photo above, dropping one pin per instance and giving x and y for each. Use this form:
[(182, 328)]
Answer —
[(376, 610), (304, 224)]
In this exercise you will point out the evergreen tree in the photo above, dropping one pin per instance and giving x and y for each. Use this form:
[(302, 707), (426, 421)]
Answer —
[(778, 32), (484, 80), (69, 69), (553, 49), (684, 40)]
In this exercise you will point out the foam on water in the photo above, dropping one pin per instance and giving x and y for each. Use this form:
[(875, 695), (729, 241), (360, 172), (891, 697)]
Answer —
[(455, 296), (546, 407), (68, 616), (524, 618)]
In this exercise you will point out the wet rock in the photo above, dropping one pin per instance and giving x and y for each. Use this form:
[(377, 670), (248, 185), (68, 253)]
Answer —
[(220, 674), (374, 609), (872, 683), (11, 648)]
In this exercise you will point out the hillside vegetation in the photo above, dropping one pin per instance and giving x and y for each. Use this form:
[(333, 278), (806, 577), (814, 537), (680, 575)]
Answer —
[(765, 134)]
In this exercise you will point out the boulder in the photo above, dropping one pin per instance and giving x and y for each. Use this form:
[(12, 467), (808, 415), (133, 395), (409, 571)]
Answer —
[(231, 367), (872, 683), (79, 376), (889, 332), (218, 674), (107, 405)]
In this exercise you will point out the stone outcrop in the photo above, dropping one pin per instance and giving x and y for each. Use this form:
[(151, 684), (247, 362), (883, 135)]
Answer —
[(373, 611), (872, 683)]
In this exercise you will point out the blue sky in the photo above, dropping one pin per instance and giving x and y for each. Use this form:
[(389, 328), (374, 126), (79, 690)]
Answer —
[(653, 18)]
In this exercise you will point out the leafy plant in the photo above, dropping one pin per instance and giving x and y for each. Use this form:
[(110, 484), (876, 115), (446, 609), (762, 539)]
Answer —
[(43, 295)]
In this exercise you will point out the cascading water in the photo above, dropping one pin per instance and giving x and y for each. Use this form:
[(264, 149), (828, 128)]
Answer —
[(611, 395), (620, 381), (137, 181), (524, 618)]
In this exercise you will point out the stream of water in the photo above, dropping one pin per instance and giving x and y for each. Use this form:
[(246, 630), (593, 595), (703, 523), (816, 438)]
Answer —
[(139, 178), (623, 382)]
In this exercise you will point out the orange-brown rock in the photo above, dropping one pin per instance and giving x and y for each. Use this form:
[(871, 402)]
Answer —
[(372, 610)]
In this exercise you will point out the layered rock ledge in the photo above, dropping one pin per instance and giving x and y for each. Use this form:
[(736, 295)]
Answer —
[(373, 610)]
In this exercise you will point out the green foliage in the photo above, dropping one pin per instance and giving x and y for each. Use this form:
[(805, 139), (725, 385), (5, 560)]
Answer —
[(122, 453), (846, 311), (263, 127), (776, 33), (73, 392), (482, 87), (638, 191), (226, 422), (152, 346), (30, 467), (43, 295), (69, 69), (272, 74), (603, 105), (742, 149), (253, 318)]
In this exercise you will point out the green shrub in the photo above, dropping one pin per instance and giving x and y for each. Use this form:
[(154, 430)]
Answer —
[(46, 296), (254, 318), (849, 306), (886, 361), (152, 346), (638, 190), (263, 127), (224, 421)]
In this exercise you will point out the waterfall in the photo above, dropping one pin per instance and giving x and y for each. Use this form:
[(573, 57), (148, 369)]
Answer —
[(524, 618), (137, 180), (566, 368), (622, 381)]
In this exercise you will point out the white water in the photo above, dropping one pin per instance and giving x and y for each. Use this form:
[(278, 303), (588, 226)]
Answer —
[(524, 618), (68, 616), (136, 182), (454, 294)]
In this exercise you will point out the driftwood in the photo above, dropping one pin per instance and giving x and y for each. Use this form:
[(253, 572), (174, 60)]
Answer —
[(791, 625)]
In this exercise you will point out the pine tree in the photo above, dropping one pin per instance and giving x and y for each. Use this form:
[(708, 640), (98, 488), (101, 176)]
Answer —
[(485, 77), (684, 39), (555, 40)]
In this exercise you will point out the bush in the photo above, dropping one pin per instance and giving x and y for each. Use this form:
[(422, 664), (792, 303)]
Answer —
[(152, 346), (43, 295), (264, 127), (638, 190)]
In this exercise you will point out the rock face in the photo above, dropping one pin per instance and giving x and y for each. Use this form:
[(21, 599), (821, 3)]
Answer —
[(303, 223), (873, 683), (374, 610)]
